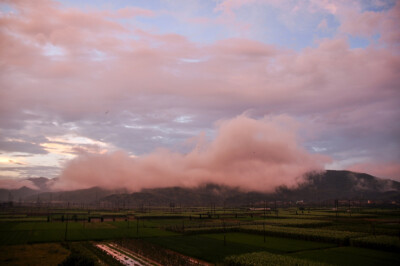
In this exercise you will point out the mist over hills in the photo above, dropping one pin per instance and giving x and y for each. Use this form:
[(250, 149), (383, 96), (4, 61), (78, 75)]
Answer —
[(316, 187), (330, 185)]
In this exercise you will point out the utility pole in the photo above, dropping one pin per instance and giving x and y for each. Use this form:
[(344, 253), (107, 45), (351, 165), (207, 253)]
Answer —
[(265, 208), (66, 229), (336, 206), (224, 232), (350, 207), (137, 226), (264, 230)]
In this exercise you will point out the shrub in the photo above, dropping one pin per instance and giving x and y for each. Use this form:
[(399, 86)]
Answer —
[(77, 259)]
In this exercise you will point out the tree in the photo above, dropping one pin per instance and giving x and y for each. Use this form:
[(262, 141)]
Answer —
[(77, 259)]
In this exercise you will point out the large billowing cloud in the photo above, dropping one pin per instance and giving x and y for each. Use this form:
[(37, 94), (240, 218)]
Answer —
[(251, 154), (381, 169), (79, 79)]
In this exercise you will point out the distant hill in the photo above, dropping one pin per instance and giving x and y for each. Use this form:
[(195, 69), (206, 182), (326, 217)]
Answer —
[(41, 182), (343, 185), (316, 187), (16, 194), (89, 195), (200, 196)]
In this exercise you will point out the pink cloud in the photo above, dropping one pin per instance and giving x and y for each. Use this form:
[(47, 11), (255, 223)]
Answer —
[(252, 154), (133, 12), (379, 169), (330, 85), (235, 67), (356, 22), (245, 71)]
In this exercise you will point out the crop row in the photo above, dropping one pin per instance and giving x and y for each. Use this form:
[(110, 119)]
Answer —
[(383, 242), (295, 222), (180, 226), (339, 237), (266, 258)]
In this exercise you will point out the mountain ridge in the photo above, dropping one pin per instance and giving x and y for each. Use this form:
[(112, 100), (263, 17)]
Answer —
[(315, 187)]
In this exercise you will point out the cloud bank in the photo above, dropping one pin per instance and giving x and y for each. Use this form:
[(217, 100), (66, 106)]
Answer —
[(82, 76), (381, 169), (252, 154)]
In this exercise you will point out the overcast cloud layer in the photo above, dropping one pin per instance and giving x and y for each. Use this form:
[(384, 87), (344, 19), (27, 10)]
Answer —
[(269, 90)]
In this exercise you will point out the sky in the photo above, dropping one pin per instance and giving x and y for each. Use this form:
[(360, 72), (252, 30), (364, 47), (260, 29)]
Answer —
[(249, 93)]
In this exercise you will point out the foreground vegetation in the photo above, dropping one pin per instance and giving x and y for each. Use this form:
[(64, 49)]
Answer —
[(184, 237), (52, 253)]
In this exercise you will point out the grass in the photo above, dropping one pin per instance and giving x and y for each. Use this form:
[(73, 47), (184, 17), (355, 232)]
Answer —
[(204, 238), (211, 247), (267, 259), (204, 248), (42, 232), (37, 254), (272, 244)]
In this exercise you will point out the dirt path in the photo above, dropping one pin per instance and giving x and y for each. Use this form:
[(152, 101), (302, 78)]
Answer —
[(124, 256)]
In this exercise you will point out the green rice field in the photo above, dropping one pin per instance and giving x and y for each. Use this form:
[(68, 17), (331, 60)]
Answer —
[(232, 237)]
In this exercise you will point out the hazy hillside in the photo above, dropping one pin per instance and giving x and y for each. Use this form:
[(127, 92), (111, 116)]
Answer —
[(82, 195), (16, 194), (316, 187), (42, 183), (343, 185), (201, 196)]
